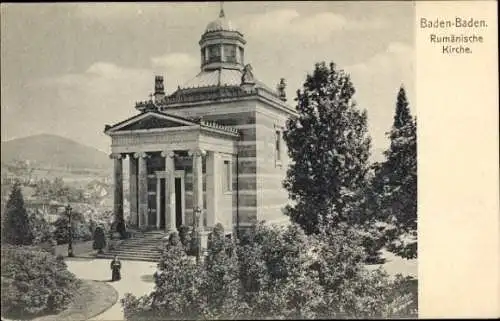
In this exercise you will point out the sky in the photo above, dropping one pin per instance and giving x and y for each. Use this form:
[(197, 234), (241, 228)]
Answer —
[(69, 69)]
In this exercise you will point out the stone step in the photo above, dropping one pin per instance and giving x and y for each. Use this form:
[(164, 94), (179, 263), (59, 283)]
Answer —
[(135, 252), (146, 247), (138, 255), (140, 247), (131, 258), (149, 242), (143, 243)]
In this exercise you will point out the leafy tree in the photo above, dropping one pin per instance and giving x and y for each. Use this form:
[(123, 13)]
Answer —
[(40, 228), (56, 190), (99, 239), (328, 144), (394, 187), (79, 226), (275, 273), (16, 224), (176, 295), (221, 286)]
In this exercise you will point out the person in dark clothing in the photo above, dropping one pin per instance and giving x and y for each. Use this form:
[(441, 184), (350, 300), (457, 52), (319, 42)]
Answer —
[(116, 265)]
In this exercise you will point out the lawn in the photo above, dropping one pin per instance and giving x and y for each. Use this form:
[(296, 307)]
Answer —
[(92, 298)]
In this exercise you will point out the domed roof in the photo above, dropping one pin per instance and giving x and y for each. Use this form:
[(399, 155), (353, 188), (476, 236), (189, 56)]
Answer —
[(220, 24)]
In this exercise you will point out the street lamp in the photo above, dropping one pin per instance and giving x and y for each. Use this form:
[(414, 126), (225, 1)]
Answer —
[(70, 234), (197, 225)]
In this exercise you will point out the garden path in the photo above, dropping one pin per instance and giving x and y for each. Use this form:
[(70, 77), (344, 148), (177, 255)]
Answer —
[(137, 278)]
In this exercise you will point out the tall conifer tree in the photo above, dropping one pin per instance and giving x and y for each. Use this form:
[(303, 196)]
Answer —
[(395, 181), (329, 145), (16, 226)]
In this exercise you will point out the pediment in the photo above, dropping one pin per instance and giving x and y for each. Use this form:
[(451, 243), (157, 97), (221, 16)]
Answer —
[(150, 120)]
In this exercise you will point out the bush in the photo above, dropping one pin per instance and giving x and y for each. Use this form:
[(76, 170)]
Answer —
[(41, 229), (185, 236), (272, 272), (99, 239), (34, 282), (80, 229), (176, 294), (192, 248)]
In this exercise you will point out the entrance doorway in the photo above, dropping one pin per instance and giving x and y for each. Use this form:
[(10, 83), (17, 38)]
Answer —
[(178, 198), (178, 202)]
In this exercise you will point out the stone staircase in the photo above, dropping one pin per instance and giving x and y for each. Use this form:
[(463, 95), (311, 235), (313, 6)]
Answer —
[(141, 247)]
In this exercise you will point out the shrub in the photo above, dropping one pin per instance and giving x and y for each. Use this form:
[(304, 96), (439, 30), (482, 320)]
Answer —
[(99, 239), (193, 243), (271, 272), (349, 288), (41, 229), (80, 229), (35, 282), (274, 271), (176, 294), (185, 236)]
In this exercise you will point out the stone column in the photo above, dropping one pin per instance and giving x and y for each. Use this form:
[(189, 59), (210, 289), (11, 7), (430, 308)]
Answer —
[(197, 156), (170, 219), (142, 189), (118, 186), (158, 201), (133, 190), (213, 187)]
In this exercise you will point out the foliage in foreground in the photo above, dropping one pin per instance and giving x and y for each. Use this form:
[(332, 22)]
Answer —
[(34, 282), (271, 272)]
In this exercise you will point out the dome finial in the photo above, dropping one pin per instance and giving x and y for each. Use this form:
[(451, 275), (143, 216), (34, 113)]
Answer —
[(221, 13)]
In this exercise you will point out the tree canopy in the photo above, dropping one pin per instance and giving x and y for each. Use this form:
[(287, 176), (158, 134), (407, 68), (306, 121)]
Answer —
[(329, 145)]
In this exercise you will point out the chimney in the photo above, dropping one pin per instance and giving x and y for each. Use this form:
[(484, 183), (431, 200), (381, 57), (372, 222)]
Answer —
[(159, 93)]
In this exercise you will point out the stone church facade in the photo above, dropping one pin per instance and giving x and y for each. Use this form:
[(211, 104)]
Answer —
[(214, 146)]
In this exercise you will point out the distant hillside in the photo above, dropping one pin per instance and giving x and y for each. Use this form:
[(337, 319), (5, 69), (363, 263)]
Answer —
[(51, 151)]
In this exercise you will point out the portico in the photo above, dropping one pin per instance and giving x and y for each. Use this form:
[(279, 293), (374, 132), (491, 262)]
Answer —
[(173, 166)]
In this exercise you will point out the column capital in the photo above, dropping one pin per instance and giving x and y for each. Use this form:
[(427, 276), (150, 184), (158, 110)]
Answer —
[(197, 152), (141, 155), (168, 153), (116, 156)]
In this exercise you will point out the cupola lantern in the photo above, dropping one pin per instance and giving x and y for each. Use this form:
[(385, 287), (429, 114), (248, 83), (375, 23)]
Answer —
[(222, 45)]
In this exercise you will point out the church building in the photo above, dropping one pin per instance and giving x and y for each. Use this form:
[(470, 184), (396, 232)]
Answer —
[(211, 151)]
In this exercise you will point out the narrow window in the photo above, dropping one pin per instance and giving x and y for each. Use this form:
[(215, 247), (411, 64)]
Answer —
[(278, 146), (227, 176), (230, 53), (242, 57), (214, 53)]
